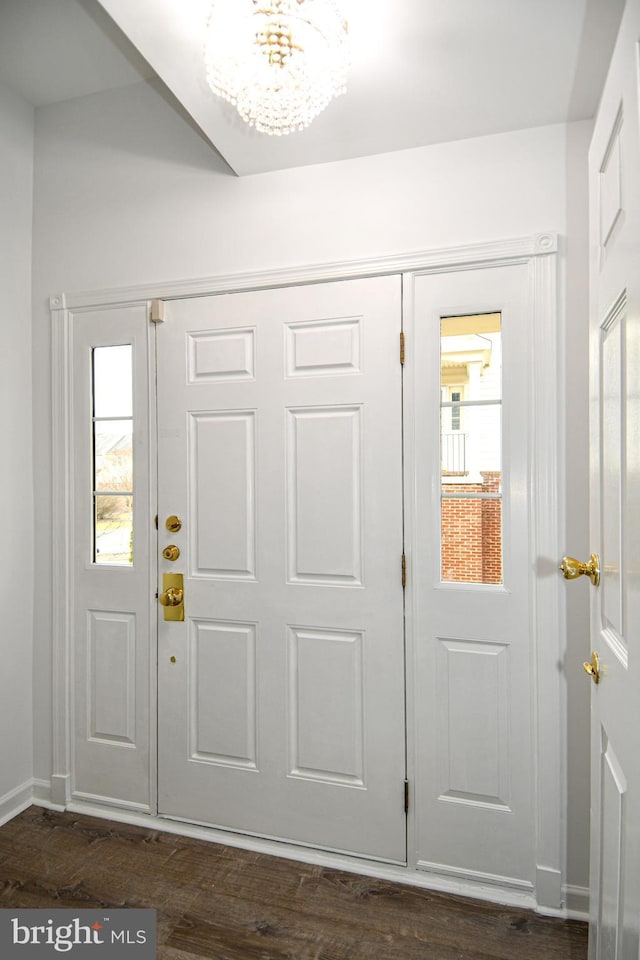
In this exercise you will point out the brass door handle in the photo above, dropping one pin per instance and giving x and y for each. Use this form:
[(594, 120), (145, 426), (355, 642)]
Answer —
[(572, 568), (172, 597), (592, 667)]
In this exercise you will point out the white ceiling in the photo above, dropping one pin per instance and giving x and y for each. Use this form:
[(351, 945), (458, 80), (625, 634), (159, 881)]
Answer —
[(52, 50), (423, 71)]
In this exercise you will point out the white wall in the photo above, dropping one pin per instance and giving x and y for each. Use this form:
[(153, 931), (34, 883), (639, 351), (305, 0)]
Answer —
[(128, 192), (16, 467)]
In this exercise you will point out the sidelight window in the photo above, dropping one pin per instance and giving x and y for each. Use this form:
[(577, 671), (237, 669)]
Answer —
[(112, 384), (471, 448)]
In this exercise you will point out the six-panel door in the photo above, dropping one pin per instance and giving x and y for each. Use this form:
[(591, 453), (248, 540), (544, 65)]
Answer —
[(614, 160), (281, 694)]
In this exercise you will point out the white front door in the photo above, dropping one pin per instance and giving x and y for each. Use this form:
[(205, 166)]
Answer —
[(614, 164), (281, 694)]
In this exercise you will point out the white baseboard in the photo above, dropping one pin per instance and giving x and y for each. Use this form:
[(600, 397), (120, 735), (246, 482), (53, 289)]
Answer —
[(481, 888), (476, 878), (577, 902), (14, 802), (42, 796), (95, 800), (503, 890), (60, 789), (549, 890)]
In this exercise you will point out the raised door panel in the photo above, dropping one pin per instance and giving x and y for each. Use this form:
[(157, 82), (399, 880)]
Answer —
[(222, 695), (611, 894), (611, 201), (324, 495), (324, 347), (221, 355), (474, 722), (111, 680), (326, 687), (612, 417), (222, 473)]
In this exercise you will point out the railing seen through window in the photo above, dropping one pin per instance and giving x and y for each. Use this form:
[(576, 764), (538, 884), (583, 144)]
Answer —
[(112, 455), (471, 448)]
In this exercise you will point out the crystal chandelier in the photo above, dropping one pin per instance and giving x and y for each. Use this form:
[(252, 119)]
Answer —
[(279, 62)]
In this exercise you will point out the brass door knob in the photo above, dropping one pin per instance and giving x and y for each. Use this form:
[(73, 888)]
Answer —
[(592, 667), (173, 523), (572, 568), (171, 552), (172, 597)]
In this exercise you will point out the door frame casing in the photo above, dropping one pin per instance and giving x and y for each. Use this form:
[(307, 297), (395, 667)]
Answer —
[(547, 519)]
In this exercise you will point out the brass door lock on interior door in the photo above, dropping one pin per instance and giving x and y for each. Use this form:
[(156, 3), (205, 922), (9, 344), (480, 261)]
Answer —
[(172, 596), (171, 552), (592, 667), (572, 568)]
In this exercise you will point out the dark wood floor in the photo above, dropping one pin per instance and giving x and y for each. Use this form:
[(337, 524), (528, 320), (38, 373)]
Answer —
[(227, 904)]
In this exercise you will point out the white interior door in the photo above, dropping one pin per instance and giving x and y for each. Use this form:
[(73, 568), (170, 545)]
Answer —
[(281, 694), (614, 162)]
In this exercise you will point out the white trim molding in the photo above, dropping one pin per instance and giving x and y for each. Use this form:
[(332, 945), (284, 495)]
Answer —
[(547, 523), (62, 500), (539, 252), (15, 801), (480, 254)]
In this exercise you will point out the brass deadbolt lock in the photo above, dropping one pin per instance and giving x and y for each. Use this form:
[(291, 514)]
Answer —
[(173, 524)]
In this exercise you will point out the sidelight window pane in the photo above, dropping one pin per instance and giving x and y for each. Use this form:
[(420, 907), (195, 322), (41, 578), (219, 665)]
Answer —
[(114, 529), (112, 493), (470, 454), (471, 448), (112, 381), (472, 540), (113, 449)]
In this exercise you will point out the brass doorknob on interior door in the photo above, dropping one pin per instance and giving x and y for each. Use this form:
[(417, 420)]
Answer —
[(592, 667), (172, 597), (572, 568)]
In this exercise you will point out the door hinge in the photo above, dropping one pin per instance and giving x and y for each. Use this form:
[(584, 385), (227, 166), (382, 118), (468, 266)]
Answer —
[(404, 571), (406, 796), (156, 313), (402, 347)]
